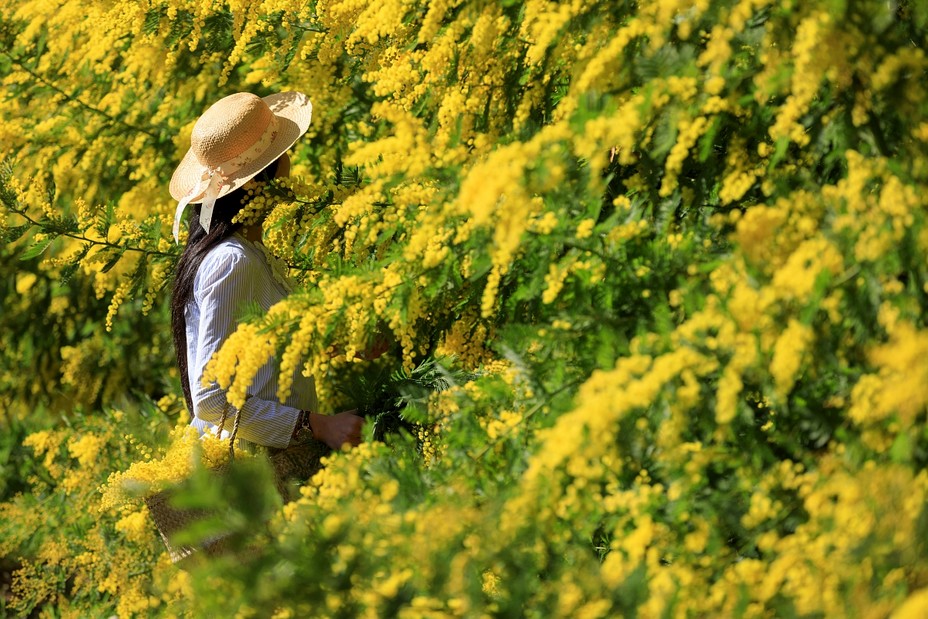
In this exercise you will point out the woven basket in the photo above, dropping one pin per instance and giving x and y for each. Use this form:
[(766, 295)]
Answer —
[(170, 520), (297, 463)]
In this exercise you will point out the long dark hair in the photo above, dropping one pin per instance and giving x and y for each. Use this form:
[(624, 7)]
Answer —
[(199, 243)]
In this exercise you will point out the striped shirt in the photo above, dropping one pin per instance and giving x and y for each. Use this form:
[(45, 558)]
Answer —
[(233, 275)]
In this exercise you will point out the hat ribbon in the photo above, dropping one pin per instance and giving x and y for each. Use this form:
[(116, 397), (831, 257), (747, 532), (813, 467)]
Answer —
[(213, 179)]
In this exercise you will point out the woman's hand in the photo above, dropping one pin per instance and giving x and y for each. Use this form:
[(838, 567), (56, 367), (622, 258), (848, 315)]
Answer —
[(336, 430)]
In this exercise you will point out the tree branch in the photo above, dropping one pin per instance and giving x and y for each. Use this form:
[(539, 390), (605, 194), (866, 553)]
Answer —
[(73, 99), (77, 237)]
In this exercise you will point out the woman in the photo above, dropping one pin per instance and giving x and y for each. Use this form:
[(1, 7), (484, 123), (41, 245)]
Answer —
[(224, 268)]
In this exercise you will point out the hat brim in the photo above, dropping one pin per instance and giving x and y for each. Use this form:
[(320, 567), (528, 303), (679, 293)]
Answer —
[(294, 113)]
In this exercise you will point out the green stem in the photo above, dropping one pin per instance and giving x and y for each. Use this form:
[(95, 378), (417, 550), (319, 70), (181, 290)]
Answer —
[(23, 214)]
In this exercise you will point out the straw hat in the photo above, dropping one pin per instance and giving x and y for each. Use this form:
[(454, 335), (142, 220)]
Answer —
[(236, 138)]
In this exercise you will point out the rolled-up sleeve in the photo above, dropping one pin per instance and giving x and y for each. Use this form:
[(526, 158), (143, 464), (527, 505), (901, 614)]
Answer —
[(225, 285)]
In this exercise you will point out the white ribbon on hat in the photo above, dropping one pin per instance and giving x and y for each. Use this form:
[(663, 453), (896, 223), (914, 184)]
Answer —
[(214, 179)]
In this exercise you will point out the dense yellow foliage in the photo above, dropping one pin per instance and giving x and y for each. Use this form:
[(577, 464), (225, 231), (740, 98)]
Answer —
[(675, 252)]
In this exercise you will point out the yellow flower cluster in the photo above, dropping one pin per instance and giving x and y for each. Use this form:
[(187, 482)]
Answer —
[(186, 451), (245, 352), (845, 515), (115, 554), (808, 66), (888, 401), (791, 346), (880, 219), (78, 369), (259, 202), (689, 132), (466, 341)]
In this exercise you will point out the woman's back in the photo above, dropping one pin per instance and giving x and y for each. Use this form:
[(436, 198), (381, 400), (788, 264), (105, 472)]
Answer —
[(234, 275)]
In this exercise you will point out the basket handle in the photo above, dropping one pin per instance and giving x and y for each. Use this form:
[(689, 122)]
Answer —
[(235, 423)]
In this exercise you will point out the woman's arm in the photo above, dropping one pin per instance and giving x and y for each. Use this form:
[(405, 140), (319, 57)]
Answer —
[(225, 285)]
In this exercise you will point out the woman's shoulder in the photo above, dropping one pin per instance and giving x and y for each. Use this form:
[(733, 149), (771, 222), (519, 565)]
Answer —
[(229, 256)]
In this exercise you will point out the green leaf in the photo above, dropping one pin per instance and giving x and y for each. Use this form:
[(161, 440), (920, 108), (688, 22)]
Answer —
[(920, 17), (104, 220), (14, 233), (112, 261), (665, 136), (139, 275), (36, 249), (819, 291), (68, 270), (707, 141), (152, 21), (779, 152), (51, 189), (901, 451)]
